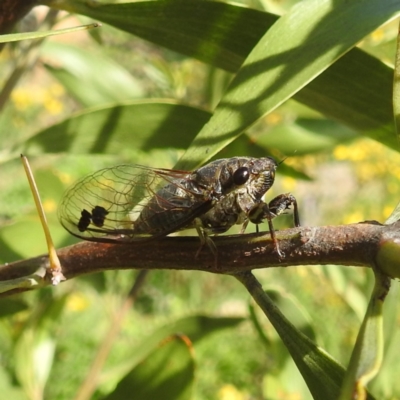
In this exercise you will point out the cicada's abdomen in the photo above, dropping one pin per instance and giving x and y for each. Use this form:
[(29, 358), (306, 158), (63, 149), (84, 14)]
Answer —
[(172, 208)]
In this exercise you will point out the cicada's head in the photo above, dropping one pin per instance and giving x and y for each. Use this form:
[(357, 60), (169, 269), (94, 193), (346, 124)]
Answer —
[(258, 176)]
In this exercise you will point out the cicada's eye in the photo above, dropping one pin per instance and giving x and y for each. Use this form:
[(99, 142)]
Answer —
[(241, 176)]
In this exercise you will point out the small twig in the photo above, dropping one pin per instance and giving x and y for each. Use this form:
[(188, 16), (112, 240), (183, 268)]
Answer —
[(30, 282), (54, 270)]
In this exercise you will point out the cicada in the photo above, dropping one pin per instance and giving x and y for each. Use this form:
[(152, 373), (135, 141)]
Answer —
[(129, 203)]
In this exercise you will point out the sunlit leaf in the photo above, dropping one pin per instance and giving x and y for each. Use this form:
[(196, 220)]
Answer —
[(305, 136), (299, 46), (354, 90)]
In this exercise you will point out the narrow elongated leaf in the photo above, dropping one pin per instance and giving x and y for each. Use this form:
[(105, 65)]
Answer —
[(367, 355), (387, 381), (11, 306), (356, 91), (396, 88), (14, 37), (196, 327), (353, 90), (322, 374), (104, 80), (394, 216), (35, 346), (112, 129), (167, 373), (305, 136), (213, 32), (8, 388), (298, 47)]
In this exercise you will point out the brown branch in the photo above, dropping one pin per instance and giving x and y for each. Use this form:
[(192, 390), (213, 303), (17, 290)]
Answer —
[(12, 11), (352, 245)]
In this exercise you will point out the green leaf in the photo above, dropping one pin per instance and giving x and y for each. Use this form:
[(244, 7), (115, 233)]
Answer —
[(295, 313), (14, 37), (36, 344), (396, 88), (206, 30), (299, 46), (10, 306), (298, 316), (104, 80), (322, 374), (351, 294), (305, 136), (8, 389), (354, 90), (24, 237), (114, 129), (167, 373), (387, 381), (194, 327), (367, 355)]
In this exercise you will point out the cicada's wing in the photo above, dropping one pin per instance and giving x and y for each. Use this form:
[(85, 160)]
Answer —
[(132, 202)]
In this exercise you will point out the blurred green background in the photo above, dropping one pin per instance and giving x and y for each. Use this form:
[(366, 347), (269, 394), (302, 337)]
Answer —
[(69, 85)]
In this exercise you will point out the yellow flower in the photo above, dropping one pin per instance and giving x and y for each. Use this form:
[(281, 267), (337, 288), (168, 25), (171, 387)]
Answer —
[(22, 99), (49, 205), (354, 217), (230, 392), (77, 302)]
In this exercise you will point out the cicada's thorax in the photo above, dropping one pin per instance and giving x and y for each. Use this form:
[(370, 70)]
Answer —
[(233, 207)]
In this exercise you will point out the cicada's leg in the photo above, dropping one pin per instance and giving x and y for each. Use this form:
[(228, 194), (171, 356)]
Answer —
[(244, 226), (281, 203), (269, 216), (205, 239), (260, 212)]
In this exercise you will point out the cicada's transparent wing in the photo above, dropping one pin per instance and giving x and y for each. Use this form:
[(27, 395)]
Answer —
[(131, 202)]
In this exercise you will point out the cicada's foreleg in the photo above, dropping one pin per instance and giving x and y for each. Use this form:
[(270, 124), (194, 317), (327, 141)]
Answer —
[(281, 203)]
